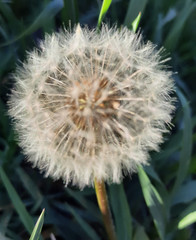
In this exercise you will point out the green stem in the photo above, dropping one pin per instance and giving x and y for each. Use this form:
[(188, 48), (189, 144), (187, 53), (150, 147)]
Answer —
[(105, 209)]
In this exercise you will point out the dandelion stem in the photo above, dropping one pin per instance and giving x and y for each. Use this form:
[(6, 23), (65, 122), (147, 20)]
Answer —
[(102, 200)]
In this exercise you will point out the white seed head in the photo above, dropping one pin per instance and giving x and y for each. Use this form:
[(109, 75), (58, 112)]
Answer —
[(91, 105)]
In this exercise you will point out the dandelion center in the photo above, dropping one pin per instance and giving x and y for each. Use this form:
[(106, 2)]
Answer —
[(95, 103)]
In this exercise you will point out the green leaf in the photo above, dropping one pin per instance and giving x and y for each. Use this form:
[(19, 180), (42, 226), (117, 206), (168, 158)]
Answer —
[(136, 22), (150, 171), (89, 205), (2, 237), (31, 187), (70, 12), (12, 235), (186, 147), (188, 217), (18, 204), (49, 12), (188, 220), (154, 202), (140, 234), (178, 25), (7, 12), (185, 194), (135, 7), (4, 221), (86, 227), (38, 227), (161, 187), (120, 208), (105, 6), (173, 145), (58, 217)]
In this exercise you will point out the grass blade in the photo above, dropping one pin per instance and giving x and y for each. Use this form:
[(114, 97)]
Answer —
[(70, 12), (135, 7), (49, 12), (89, 205), (2, 237), (121, 212), (38, 227), (188, 216), (9, 15), (186, 147), (89, 231), (105, 6), (140, 234), (178, 25), (136, 22), (188, 220), (154, 202), (161, 187), (25, 217), (30, 187), (185, 193), (4, 222)]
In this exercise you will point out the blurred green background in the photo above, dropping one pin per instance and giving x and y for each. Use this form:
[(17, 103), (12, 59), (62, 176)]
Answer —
[(157, 203)]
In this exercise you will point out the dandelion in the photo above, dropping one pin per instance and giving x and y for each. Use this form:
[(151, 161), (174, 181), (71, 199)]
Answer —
[(90, 105)]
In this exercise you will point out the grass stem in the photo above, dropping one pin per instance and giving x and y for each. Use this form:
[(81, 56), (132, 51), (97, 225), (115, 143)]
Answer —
[(102, 200)]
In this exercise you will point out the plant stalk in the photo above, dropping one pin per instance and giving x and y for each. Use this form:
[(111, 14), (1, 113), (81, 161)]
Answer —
[(102, 200)]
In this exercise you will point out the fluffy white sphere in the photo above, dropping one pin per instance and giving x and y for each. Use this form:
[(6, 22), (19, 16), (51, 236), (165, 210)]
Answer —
[(91, 105)]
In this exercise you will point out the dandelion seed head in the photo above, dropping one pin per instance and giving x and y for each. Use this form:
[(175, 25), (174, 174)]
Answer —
[(91, 105)]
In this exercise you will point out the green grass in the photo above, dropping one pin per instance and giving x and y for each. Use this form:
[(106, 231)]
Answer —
[(156, 203)]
